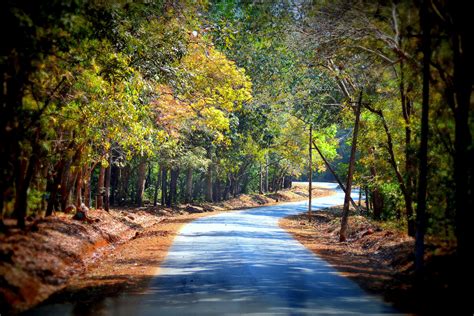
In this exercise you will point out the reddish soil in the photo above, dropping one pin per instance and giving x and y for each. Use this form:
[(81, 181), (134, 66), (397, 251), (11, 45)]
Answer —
[(117, 251), (381, 260)]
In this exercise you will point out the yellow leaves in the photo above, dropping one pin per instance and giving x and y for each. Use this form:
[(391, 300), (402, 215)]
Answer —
[(171, 112), (215, 119), (215, 79)]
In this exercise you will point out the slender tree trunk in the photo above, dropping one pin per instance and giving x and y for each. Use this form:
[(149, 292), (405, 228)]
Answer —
[(198, 187), (367, 199), (65, 188), (100, 188), (114, 184), (209, 183), (79, 183), (108, 174), (189, 185), (360, 197), (141, 178), (266, 173), (461, 39), (409, 161), (260, 183), (87, 184), (310, 176), (407, 195), (333, 173), (157, 187), (423, 153), (174, 173), (345, 212), (164, 185), (148, 177)]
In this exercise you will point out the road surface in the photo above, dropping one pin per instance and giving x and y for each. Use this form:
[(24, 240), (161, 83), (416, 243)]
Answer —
[(244, 263)]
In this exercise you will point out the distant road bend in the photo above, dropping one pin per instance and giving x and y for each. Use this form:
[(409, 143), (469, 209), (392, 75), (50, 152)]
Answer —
[(243, 263)]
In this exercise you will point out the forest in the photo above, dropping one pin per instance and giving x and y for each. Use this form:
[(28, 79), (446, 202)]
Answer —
[(107, 104)]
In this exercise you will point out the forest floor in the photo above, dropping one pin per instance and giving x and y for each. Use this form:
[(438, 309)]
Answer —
[(58, 259), (380, 260)]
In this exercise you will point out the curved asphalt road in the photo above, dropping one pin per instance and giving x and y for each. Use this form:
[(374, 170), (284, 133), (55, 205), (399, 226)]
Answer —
[(244, 263)]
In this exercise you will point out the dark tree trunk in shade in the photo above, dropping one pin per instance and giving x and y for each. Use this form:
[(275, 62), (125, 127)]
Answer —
[(310, 175), (407, 195), (423, 151), (189, 185), (87, 184), (460, 98), (164, 185), (265, 189), (209, 183), (140, 185), (108, 175), (64, 188), (350, 173), (100, 188), (79, 183), (157, 187), (367, 199), (174, 174)]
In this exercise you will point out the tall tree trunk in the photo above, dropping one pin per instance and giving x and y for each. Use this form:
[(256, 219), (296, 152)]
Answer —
[(407, 195), (108, 174), (260, 182), (189, 185), (125, 181), (100, 188), (79, 183), (87, 184), (218, 190), (310, 175), (367, 199), (209, 183), (141, 178), (157, 187), (347, 197), (164, 185), (198, 187), (266, 173), (461, 39), (148, 177), (114, 185), (65, 188), (174, 174), (423, 153), (409, 161), (333, 173)]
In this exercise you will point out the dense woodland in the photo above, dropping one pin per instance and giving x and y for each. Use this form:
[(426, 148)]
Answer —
[(112, 103)]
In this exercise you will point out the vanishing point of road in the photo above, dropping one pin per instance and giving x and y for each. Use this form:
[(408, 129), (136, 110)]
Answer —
[(242, 262)]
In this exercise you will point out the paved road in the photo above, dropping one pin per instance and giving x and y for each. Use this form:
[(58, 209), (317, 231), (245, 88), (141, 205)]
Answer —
[(243, 263)]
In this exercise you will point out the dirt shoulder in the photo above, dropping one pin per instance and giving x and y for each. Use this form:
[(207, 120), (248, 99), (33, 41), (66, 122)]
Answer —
[(380, 260), (114, 252)]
